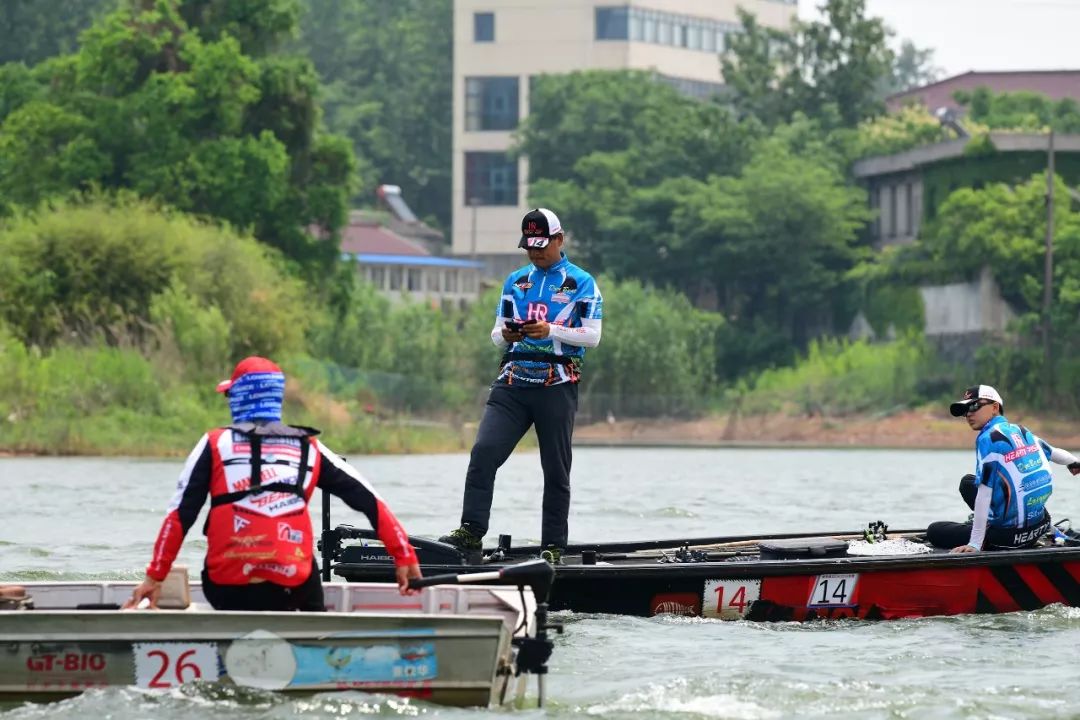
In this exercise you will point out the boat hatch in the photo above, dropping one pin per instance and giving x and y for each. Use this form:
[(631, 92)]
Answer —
[(802, 548)]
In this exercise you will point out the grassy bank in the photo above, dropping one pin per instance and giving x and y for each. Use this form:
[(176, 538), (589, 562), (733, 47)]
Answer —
[(114, 401)]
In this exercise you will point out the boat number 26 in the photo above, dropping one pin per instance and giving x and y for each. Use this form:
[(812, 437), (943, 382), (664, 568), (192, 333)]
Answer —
[(833, 591), (169, 665)]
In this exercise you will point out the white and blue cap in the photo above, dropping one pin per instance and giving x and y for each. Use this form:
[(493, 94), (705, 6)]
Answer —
[(538, 227), (973, 396)]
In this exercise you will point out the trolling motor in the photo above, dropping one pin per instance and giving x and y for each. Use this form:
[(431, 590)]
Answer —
[(533, 652)]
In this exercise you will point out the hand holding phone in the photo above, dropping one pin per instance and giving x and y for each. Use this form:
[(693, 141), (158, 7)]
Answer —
[(514, 326)]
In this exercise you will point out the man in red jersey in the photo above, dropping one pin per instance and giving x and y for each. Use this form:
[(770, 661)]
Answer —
[(259, 475)]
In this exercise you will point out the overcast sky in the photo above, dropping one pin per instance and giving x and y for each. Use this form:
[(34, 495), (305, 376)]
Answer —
[(984, 34)]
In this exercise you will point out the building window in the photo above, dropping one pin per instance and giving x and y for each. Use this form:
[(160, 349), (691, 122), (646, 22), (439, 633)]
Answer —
[(612, 23), (650, 29), (651, 26), (491, 103), (664, 32), (491, 178), (484, 27), (693, 37)]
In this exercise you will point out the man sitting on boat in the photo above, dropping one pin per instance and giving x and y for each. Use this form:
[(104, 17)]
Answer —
[(1011, 484), (260, 474)]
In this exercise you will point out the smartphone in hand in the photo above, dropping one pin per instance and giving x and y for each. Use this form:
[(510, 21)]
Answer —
[(514, 326)]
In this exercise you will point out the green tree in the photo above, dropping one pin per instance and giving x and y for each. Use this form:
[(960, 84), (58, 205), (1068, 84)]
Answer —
[(180, 113), (777, 242), (607, 138), (388, 70), (122, 270), (829, 70), (1020, 110), (32, 30), (912, 67)]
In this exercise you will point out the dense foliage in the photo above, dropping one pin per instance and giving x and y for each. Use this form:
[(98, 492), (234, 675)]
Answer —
[(387, 69), (163, 161), (182, 101)]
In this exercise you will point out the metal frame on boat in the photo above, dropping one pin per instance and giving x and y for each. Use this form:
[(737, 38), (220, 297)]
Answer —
[(449, 645), (802, 576), (452, 643)]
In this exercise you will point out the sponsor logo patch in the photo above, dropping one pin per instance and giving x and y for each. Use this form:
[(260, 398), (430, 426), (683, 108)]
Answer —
[(239, 523), (287, 534), (1020, 452)]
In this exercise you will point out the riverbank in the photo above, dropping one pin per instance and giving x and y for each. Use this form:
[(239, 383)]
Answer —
[(927, 428)]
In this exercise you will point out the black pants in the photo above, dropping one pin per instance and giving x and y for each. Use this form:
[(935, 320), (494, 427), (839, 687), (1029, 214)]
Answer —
[(952, 534), (509, 413), (307, 597)]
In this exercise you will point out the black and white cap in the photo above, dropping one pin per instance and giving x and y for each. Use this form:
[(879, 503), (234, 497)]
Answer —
[(538, 227), (972, 396)]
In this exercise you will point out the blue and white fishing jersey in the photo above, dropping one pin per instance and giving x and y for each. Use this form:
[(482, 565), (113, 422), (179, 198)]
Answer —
[(565, 296), (1015, 465)]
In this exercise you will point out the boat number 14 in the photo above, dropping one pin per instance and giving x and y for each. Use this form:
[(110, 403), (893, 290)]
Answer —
[(833, 591), (729, 599)]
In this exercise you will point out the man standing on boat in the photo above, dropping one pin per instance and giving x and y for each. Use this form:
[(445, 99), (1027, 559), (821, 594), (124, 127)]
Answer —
[(1012, 480), (549, 312), (260, 474)]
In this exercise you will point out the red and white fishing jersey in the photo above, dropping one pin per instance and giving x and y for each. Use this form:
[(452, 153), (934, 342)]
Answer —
[(262, 530)]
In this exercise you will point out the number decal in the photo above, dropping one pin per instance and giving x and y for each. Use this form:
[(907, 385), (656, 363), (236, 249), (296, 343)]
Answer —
[(729, 599), (169, 665), (156, 681), (833, 591)]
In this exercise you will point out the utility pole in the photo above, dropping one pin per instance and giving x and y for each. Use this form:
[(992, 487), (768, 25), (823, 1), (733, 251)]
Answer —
[(1048, 274)]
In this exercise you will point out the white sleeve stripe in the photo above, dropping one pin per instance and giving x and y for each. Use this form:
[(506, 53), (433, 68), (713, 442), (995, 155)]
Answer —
[(185, 474), (346, 468)]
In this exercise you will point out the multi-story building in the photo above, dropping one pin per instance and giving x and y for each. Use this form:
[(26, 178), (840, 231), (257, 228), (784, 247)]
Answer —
[(500, 44)]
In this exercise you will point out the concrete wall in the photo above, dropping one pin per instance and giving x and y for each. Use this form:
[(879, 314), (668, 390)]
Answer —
[(965, 308)]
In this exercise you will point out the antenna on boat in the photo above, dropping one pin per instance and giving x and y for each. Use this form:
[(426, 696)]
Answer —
[(329, 542)]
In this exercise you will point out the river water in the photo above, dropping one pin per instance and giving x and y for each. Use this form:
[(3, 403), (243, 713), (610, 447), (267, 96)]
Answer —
[(97, 518)]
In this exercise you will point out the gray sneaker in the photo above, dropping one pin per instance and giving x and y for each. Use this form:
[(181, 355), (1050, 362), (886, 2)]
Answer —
[(464, 538)]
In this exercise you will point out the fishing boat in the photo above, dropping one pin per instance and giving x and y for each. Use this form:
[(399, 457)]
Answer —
[(868, 574), (466, 645)]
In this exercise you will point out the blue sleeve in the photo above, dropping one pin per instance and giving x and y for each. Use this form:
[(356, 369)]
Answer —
[(590, 301), (501, 306), (1047, 449), (983, 470)]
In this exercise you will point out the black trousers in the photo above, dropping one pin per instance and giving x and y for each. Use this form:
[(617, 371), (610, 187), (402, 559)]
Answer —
[(306, 597), (509, 413), (952, 534)]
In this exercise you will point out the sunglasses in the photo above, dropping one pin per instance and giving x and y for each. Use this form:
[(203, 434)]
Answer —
[(975, 407), (534, 242)]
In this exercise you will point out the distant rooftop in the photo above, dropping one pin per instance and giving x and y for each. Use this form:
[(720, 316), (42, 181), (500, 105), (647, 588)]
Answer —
[(927, 154), (361, 237), (1055, 84)]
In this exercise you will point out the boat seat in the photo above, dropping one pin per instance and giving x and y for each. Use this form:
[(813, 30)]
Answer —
[(802, 548), (175, 591)]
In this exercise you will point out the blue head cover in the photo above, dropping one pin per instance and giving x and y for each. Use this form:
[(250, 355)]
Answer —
[(257, 396)]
